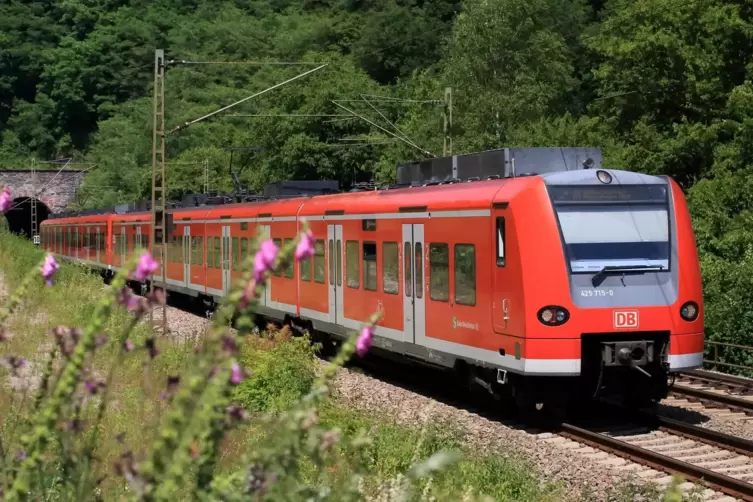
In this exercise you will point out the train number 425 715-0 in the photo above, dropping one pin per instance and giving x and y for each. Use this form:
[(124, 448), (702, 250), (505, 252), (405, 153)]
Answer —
[(596, 292)]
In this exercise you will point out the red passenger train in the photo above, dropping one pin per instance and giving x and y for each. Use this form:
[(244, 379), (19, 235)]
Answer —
[(549, 287)]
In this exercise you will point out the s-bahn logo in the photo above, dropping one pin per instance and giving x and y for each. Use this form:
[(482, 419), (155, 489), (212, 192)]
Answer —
[(463, 324), (625, 318)]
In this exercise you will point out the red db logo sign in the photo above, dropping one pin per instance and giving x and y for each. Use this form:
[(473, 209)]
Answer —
[(626, 319)]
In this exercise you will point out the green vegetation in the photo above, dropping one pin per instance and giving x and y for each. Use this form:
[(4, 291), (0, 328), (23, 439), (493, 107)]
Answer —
[(302, 444)]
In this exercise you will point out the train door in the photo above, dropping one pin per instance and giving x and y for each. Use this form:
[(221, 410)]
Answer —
[(226, 284), (501, 299), (335, 248), (265, 232), (414, 306), (186, 255)]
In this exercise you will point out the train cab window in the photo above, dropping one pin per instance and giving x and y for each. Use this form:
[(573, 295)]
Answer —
[(439, 272), (370, 266), (210, 254), (235, 249), (390, 262), (501, 242), (352, 279), (319, 262), (331, 262), (200, 251), (217, 253), (290, 265), (465, 274), (407, 273), (276, 270)]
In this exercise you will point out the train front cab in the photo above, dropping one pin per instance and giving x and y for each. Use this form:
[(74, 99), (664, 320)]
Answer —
[(610, 282)]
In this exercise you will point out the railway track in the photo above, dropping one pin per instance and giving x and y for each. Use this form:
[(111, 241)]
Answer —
[(654, 447), (714, 390)]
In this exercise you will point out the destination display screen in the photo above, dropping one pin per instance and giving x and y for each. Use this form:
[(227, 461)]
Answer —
[(651, 194)]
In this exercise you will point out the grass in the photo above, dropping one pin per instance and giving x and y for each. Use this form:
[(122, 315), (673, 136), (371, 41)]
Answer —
[(369, 450)]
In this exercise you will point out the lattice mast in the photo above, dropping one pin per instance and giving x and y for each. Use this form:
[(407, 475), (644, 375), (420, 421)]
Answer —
[(158, 315), (33, 201)]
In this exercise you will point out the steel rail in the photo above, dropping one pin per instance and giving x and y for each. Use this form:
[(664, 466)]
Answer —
[(713, 480), (745, 405), (719, 377), (704, 435)]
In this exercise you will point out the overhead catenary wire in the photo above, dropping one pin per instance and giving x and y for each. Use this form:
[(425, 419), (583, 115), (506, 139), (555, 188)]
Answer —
[(259, 63), (189, 123), (410, 143)]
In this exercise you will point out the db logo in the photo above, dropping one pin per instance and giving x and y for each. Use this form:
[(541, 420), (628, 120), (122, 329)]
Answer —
[(626, 319)]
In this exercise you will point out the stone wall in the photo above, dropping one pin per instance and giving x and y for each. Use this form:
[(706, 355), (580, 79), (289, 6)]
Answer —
[(55, 189)]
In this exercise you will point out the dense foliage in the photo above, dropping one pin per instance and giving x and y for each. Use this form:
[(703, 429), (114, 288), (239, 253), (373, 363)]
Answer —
[(663, 86)]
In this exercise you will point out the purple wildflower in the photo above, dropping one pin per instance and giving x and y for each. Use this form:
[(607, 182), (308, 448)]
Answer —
[(128, 346), (20, 455), (49, 268), (364, 341), (264, 259), (249, 293), (151, 347), (236, 413), (229, 344), (100, 340), (75, 425), (5, 200), (93, 386), (236, 374), (146, 267), (305, 246), (16, 362)]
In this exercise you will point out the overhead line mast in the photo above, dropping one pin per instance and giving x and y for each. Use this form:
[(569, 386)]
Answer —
[(160, 219), (158, 315)]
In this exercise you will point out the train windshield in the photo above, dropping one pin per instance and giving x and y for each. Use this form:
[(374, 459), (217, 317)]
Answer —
[(613, 226)]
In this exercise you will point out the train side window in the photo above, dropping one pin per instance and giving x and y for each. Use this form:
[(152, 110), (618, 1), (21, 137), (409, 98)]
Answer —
[(276, 270), (290, 266), (439, 272), (217, 252), (352, 278), (465, 274), (235, 249), (370, 266), (244, 249), (319, 261), (306, 269), (331, 262), (194, 249), (390, 262), (407, 272), (210, 254), (200, 251), (339, 260), (501, 241)]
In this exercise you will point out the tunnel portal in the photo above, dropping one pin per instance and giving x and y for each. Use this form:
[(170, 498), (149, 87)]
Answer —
[(19, 215)]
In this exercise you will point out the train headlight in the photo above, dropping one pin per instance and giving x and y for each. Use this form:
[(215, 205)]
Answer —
[(552, 315), (604, 177), (689, 311)]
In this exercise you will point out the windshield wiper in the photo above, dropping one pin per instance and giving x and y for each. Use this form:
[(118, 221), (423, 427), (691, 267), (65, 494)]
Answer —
[(599, 276)]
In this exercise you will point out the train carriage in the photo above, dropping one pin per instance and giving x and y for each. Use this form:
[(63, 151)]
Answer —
[(551, 288)]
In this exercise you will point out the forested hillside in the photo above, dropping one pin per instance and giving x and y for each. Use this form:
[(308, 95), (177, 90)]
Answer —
[(662, 86)]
